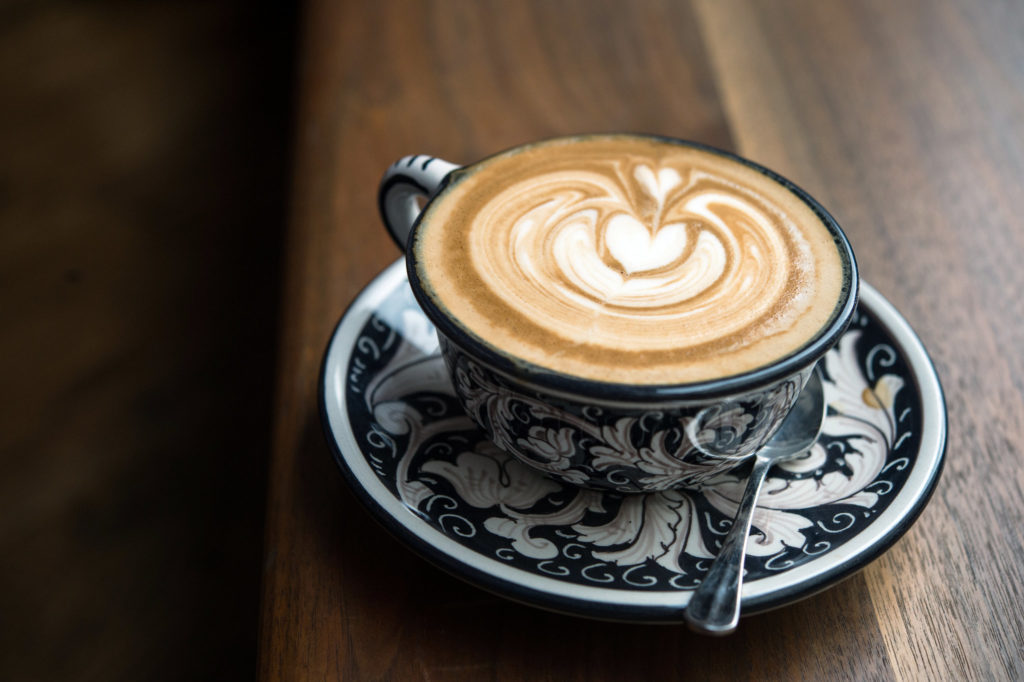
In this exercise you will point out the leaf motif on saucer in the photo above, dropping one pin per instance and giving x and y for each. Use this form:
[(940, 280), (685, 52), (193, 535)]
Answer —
[(423, 447)]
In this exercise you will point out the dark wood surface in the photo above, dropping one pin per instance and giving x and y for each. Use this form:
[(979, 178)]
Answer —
[(143, 163), (905, 119)]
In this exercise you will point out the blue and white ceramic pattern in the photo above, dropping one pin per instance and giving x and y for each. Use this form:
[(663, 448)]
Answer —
[(425, 470), (626, 448), (602, 435)]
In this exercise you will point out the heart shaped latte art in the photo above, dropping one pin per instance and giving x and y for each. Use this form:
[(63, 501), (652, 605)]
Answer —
[(653, 267), (630, 243), (643, 272), (607, 258)]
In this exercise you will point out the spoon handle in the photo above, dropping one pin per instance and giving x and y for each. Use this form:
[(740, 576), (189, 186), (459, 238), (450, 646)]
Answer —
[(714, 607)]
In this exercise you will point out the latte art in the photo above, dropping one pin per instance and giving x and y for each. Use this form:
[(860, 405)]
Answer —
[(696, 250), (630, 260)]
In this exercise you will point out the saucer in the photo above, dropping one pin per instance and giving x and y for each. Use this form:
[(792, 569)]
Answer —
[(426, 472)]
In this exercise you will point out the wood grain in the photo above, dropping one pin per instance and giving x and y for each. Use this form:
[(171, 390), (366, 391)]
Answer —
[(905, 121), (917, 148), (139, 246)]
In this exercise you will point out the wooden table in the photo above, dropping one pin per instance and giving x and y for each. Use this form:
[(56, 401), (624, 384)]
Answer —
[(905, 119)]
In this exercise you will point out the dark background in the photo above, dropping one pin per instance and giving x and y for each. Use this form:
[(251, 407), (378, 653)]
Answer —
[(144, 157)]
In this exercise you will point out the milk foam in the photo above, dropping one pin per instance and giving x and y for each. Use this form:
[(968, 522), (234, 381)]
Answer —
[(630, 260)]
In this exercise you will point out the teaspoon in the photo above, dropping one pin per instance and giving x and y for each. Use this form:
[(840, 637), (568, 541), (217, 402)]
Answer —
[(714, 607)]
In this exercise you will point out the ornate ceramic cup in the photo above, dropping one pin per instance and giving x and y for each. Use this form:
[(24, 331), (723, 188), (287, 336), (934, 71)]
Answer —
[(617, 436)]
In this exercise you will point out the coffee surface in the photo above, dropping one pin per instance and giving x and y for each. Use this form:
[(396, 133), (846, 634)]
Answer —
[(629, 259)]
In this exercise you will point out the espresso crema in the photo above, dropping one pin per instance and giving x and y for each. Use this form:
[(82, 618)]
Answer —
[(629, 260)]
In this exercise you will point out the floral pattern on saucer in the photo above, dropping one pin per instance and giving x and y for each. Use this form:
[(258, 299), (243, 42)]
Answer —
[(437, 463)]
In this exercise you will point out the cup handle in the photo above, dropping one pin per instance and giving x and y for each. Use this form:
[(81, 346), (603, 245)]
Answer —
[(407, 180)]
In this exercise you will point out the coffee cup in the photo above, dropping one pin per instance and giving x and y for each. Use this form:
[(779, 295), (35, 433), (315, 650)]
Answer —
[(623, 312)]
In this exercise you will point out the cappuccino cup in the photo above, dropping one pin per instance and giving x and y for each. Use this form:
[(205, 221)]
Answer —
[(623, 312)]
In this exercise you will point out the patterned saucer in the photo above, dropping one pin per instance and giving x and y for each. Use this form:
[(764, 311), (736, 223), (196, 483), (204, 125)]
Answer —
[(428, 474)]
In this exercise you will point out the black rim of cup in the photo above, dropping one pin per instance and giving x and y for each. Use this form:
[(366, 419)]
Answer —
[(543, 378)]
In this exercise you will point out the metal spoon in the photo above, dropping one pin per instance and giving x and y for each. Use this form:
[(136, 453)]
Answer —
[(714, 607)]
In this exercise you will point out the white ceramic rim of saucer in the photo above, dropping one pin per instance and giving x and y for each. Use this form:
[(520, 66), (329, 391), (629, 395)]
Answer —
[(818, 573)]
